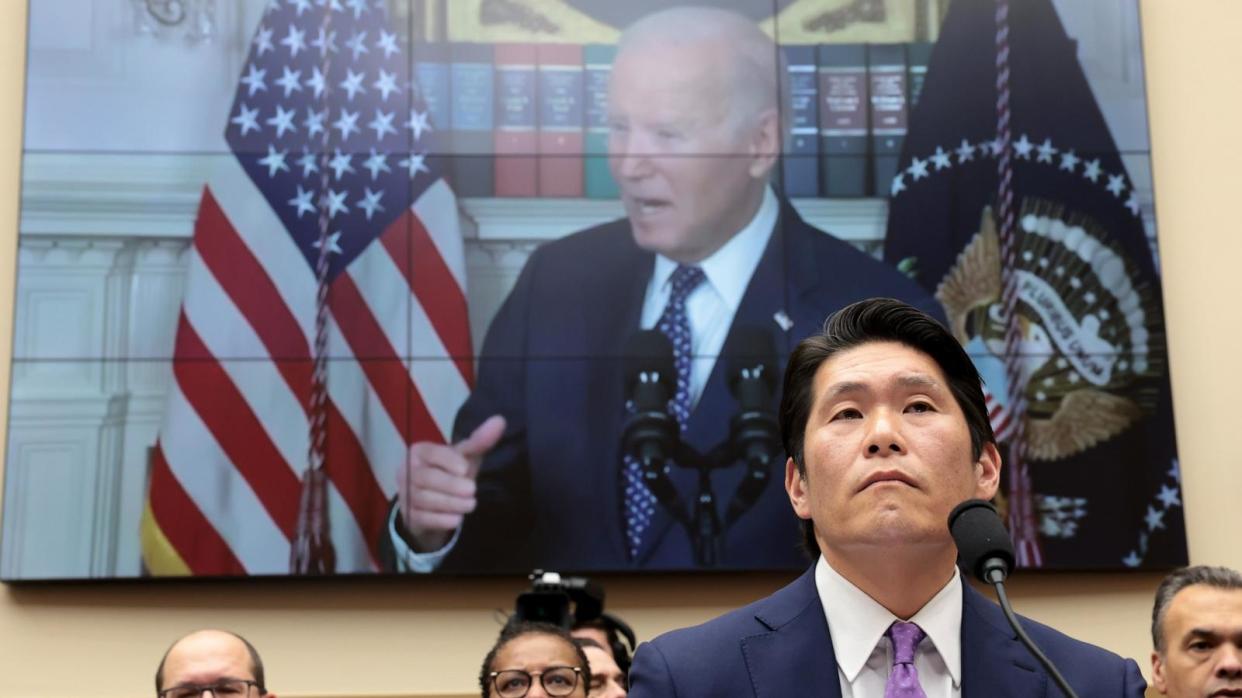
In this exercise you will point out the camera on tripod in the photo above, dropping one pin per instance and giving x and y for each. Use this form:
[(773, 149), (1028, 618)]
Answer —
[(574, 603)]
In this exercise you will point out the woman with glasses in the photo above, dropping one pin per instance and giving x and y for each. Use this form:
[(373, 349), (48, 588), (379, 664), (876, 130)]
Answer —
[(534, 660)]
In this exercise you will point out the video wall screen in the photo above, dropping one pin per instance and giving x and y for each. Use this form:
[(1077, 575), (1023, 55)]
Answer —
[(482, 286)]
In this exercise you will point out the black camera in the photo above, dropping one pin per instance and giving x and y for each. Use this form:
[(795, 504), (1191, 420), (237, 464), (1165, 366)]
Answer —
[(574, 602)]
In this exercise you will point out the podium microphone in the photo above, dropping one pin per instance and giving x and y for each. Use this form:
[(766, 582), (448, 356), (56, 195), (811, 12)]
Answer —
[(651, 434), (985, 551), (754, 430)]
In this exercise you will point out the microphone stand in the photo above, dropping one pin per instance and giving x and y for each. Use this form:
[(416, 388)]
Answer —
[(994, 574)]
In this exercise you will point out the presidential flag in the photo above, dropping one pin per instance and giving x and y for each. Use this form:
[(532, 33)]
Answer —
[(324, 152), (1076, 375)]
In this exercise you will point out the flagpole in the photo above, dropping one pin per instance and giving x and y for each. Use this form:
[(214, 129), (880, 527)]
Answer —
[(313, 552), (1022, 524)]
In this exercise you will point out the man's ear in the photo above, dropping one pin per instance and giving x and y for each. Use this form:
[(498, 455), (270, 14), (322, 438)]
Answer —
[(765, 143), (795, 486), (1157, 673), (987, 472)]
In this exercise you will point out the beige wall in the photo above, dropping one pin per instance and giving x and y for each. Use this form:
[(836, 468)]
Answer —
[(424, 637)]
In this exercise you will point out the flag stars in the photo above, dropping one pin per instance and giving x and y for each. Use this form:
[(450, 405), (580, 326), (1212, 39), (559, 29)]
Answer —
[(387, 43), (1154, 518), (335, 201), (375, 164), (308, 164), (357, 44), (1069, 161), (371, 202), (358, 6), (1046, 151), (418, 123), (334, 246), (386, 84), (314, 122), (899, 184), (917, 169), (1091, 170), (274, 161), (295, 41), (290, 80), (382, 125), (347, 124), (340, 164), (325, 42), (1022, 148), (965, 152), (1132, 203), (247, 119), (414, 164), (940, 159), (1132, 560), (301, 5), (316, 81), (1116, 184), (353, 83), (1169, 497), (282, 121), (253, 80), (263, 41), (302, 200)]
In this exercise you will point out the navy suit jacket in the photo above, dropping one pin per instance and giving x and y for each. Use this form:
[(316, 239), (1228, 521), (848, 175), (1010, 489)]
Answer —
[(780, 647), (549, 494)]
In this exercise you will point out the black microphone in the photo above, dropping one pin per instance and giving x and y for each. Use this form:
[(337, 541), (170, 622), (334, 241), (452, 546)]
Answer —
[(651, 434), (985, 551), (754, 430)]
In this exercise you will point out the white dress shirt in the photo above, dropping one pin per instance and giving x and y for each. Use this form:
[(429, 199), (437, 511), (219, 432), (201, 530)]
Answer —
[(858, 624), (710, 308)]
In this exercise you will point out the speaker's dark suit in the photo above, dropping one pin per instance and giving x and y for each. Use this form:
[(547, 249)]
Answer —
[(780, 646), (549, 493)]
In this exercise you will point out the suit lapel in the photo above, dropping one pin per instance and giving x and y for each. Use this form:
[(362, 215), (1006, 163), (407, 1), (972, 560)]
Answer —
[(994, 662), (795, 656)]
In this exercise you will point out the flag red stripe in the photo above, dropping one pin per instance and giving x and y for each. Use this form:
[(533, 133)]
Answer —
[(385, 371), (189, 532), (350, 471), (434, 285), (248, 285), (240, 433)]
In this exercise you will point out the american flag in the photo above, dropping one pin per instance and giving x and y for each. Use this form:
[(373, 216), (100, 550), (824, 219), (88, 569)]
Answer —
[(325, 128)]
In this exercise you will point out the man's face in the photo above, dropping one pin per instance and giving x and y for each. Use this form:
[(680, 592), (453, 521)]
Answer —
[(690, 175), (209, 657), (887, 452), (607, 681), (1203, 644)]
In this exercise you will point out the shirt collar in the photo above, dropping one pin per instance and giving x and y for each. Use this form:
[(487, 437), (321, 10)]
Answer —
[(728, 269), (857, 622)]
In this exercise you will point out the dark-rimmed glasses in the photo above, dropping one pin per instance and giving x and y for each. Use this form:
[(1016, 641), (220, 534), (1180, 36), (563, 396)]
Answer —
[(225, 688), (556, 681)]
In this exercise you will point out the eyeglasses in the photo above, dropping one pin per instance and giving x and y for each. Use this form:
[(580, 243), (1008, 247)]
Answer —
[(556, 681), (225, 688)]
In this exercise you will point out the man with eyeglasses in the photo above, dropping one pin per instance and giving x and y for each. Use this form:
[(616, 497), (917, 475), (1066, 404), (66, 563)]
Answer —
[(534, 660), (217, 663)]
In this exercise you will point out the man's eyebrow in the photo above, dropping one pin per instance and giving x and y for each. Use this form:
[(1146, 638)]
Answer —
[(839, 389), (1205, 633), (917, 380)]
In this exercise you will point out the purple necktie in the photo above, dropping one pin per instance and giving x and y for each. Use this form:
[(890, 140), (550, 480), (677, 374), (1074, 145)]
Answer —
[(640, 504), (903, 680)]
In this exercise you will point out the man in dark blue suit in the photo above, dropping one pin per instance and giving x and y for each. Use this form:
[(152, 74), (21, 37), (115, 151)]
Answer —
[(538, 478), (884, 421)]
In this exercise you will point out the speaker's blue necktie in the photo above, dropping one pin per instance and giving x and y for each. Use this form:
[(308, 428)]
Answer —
[(640, 504)]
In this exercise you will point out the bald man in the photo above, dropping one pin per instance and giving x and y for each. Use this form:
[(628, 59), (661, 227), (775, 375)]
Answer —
[(706, 248), (224, 662)]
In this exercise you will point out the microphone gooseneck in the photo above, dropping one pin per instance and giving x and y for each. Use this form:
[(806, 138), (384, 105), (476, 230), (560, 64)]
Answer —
[(985, 551)]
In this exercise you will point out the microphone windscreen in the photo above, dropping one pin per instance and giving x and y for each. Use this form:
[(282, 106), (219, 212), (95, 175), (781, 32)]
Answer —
[(750, 348), (980, 536), (650, 352)]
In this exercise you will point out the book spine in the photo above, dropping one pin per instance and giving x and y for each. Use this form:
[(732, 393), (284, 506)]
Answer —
[(516, 142), (597, 60), (800, 170), (843, 101), (431, 86), (561, 110), (472, 92), (886, 67), (918, 56)]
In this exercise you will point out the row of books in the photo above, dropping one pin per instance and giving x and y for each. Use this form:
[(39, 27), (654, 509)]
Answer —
[(526, 120)]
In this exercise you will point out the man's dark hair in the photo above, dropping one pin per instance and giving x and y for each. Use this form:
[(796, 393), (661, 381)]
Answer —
[(256, 664), (863, 322), (617, 647), (1218, 577), (518, 629)]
